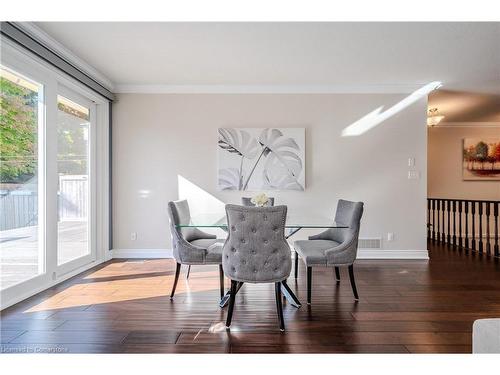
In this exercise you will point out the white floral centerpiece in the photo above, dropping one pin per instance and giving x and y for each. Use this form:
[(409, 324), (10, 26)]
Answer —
[(260, 200)]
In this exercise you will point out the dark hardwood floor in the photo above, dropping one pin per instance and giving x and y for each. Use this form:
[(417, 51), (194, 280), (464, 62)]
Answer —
[(123, 306)]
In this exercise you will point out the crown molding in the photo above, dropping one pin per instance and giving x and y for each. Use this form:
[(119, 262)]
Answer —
[(469, 124), (56, 47), (263, 89)]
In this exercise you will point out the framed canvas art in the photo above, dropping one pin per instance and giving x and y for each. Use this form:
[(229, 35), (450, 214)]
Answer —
[(481, 159), (257, 159)]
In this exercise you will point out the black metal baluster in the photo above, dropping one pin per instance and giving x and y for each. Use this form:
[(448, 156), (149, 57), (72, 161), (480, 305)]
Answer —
[(466, 225), (480, 227), (473, 213), (495, 213), (454, 223), (488, 243), (448, 213)]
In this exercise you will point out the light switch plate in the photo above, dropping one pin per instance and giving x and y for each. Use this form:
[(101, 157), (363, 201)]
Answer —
[(413, 175)]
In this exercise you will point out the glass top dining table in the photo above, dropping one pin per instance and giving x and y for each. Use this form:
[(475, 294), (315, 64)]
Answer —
[(293, 224)]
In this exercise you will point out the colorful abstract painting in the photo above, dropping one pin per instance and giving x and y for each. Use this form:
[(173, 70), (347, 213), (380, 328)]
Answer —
[(481, 159), (259, 159)]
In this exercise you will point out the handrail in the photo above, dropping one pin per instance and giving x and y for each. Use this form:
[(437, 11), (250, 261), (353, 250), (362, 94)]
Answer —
[(465, 200), (449, 221)]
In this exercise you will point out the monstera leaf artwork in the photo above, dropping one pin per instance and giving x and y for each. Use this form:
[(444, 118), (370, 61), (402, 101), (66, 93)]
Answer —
[(261, 159)]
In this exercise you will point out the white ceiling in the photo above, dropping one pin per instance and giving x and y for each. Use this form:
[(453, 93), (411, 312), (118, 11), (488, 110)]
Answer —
[(464, 56)]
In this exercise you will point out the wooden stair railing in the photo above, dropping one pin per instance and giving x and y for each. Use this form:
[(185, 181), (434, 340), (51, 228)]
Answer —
[(443, 214)]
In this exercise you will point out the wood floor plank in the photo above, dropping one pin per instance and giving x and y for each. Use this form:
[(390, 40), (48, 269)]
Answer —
[(442, 349), (303, 349), (7, 336), (151, 337), (70, 337)]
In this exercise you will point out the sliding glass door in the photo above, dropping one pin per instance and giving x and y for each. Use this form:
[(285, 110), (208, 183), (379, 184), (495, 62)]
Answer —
[(21, 209), (75, 117), (53, 193)]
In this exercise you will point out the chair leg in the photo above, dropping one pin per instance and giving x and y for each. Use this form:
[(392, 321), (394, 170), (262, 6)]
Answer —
[(337, 274), (188, 272), (296, 264), (309, 282), (279, 306), (232, 297), (221, 280), (353, 283), (177, 272)]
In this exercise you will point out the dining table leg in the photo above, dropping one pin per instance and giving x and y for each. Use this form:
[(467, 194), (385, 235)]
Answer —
[(291, 232), (225, 300), (289, 295)]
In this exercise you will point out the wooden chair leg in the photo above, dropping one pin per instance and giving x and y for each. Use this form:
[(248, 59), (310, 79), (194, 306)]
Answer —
[(353, 282), (232, 297), (177, 272), (279, 306), (296, 264), (309, 284), (221, 280), (337, 274)]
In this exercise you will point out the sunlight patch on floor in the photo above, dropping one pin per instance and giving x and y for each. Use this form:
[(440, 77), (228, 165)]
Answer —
[(127, 286)]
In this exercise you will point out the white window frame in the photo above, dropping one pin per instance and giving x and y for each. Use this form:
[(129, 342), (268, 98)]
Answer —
[(55, 82), (91, 234)]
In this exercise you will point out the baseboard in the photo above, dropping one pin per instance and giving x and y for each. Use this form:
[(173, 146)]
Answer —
[(362, 254), (141, 253), (392, 254)]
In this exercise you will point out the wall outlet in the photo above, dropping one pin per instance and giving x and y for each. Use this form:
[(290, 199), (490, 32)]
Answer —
[(390, 236), (133, 236)]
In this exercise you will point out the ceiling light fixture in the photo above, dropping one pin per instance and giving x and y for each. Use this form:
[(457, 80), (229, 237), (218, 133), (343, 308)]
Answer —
[(434, 117)]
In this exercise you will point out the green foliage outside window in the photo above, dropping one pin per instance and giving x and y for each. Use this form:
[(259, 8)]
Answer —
[(18, 130)]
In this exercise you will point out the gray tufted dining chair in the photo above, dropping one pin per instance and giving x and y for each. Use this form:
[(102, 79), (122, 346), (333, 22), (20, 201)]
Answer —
[(246, 201), (192, 246), (334, 247), (256, 251)]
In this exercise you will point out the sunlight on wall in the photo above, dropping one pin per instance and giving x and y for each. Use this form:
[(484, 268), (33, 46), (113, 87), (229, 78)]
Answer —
[(200, 201), (376, 117)]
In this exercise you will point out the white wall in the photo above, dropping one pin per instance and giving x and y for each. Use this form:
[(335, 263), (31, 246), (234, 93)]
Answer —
[(158, 137), (445, 163)]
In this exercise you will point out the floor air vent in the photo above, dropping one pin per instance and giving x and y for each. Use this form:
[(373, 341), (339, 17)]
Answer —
[(370, 243)]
